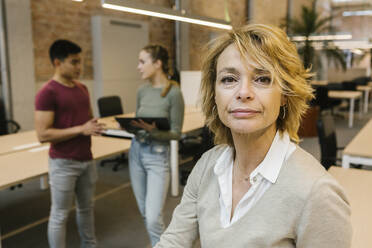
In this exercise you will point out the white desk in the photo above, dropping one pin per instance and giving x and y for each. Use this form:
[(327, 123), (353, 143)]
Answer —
[(359, 150), (357, 185), (351, 96)]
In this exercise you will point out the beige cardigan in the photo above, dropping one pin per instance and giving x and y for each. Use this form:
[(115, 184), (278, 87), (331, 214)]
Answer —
[(305, 208)]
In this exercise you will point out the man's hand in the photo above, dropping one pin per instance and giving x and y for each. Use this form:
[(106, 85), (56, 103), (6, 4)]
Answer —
[(143, 125), (92, 127), (47, 133)]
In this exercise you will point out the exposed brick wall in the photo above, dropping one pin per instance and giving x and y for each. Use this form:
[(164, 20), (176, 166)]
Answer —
[(56, 19), (269, 11), (274, 12), (264, 11), (200, 35), (359, 26)]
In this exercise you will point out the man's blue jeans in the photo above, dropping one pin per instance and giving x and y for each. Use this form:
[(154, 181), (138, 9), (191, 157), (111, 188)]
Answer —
[(68, 178), (149, 174)]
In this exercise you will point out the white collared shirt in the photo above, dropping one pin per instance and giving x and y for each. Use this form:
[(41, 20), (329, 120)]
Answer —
[(261, 178)]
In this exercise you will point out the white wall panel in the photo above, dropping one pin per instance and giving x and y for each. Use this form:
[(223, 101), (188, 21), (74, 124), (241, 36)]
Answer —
[(116, 45)]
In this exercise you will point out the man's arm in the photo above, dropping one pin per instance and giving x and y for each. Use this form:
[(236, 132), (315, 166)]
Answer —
[(46, 132)]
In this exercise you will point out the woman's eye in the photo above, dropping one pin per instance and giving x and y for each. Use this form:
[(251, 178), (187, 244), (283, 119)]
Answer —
[(228, 80), (263, 80)]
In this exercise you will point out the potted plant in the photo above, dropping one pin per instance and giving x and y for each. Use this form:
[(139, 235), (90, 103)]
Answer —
[(310, 23)]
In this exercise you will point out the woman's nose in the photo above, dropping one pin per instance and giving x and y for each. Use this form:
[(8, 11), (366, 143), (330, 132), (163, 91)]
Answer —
[(245, 91)]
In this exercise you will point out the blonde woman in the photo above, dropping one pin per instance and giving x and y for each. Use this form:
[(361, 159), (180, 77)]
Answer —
[(149, 152), (257, 188)]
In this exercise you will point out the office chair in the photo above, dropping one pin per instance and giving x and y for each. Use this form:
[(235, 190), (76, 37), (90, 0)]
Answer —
[(109, 106), (194, 146), (327, 141), (362, 80), (349, 85), (7, 126), (323, 101)]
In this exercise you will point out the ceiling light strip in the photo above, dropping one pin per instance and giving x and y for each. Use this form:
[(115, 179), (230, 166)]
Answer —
[(176, 17), (323, 37), (357, 13)]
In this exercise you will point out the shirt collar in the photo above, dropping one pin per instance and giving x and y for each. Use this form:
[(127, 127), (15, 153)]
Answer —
[(224, 161), (269, 168)]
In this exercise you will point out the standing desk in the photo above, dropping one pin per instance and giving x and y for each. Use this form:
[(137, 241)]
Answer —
[(359, 150), (351, 96), (357, 185)]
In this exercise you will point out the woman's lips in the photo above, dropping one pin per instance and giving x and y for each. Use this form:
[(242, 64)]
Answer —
[(242, 113)]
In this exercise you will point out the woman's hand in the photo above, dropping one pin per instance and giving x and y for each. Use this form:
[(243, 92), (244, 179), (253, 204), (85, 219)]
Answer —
[(143, 125)]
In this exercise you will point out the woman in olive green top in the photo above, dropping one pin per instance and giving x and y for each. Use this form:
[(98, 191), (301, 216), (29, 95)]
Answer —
[(149, 153)]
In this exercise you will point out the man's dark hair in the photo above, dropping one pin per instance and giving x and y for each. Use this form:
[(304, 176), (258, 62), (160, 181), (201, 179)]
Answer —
[(60, 49)]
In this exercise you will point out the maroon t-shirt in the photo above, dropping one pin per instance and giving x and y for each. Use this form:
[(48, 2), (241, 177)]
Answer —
[(71, 107)]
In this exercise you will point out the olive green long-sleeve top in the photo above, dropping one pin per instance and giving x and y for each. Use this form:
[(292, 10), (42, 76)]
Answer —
[(150, 103)]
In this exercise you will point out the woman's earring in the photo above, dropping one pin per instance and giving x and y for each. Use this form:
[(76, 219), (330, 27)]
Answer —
[(214, 109), (283, 107)]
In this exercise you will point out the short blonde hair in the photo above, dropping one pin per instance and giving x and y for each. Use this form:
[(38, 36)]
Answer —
[(270, 48)]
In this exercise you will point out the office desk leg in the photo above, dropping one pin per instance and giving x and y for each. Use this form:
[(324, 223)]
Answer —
[(44, 182), (174, 167), (360, 108), (345, 161), (351, 112), (366, 100)]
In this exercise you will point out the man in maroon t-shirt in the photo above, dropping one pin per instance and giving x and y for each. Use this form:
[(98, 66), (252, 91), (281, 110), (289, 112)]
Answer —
[(63, 117)]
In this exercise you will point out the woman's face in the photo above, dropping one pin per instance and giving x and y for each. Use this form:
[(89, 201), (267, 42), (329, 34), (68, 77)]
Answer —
[(247, 101), (146, 66)]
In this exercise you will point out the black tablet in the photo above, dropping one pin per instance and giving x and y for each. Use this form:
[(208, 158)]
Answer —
[(161, 123)]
